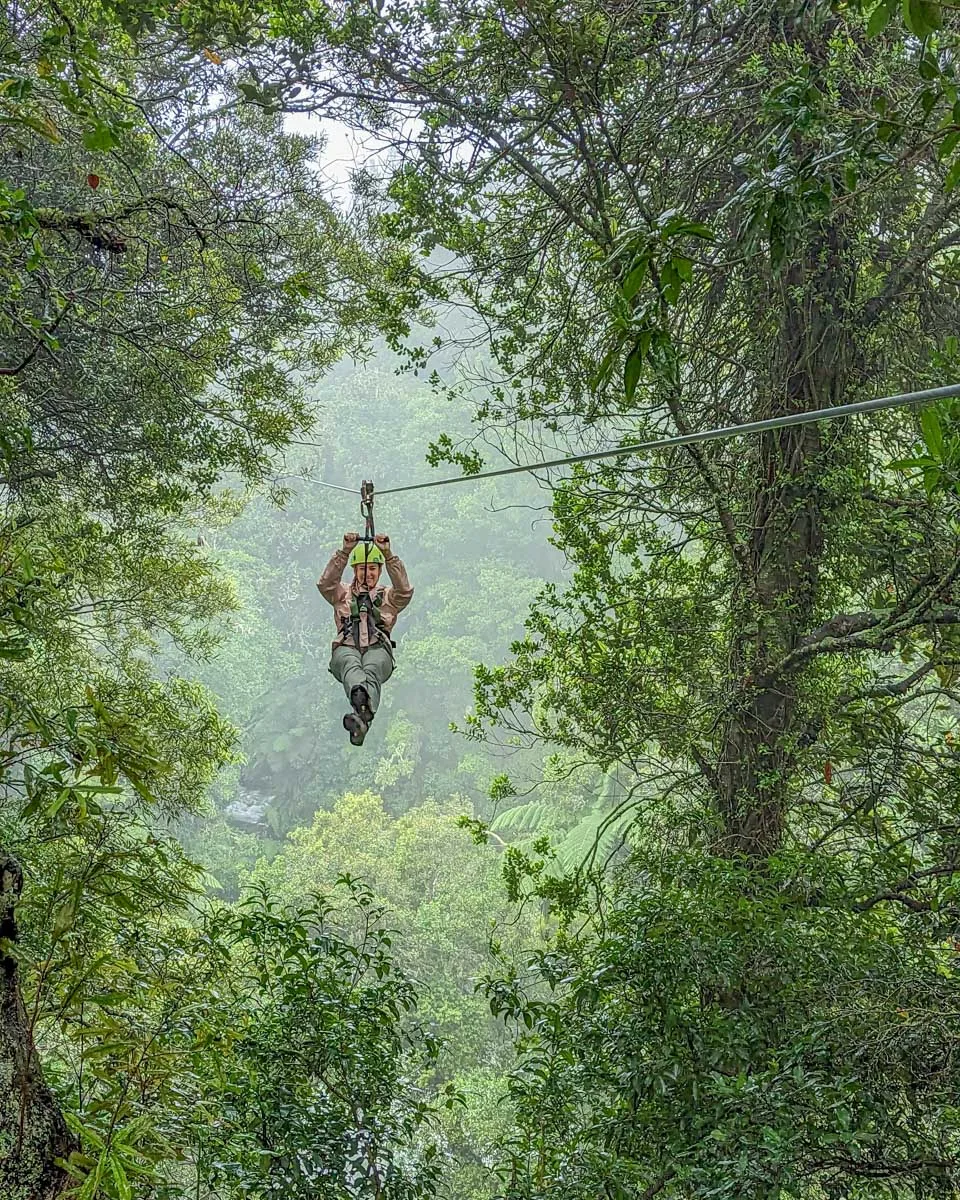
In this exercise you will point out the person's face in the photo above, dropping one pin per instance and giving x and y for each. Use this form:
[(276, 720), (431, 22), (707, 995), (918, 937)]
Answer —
[(367, 575)]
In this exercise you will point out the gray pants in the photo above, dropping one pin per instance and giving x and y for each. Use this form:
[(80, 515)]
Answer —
[(370, 669)]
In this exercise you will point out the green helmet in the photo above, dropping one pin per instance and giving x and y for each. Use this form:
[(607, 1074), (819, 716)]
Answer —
[(365, 553)]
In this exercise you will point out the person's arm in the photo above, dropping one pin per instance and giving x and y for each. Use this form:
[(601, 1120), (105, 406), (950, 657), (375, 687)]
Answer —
[(400, 593), (329, 581)]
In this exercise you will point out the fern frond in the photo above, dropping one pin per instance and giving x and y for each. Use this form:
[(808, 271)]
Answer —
[(591, 842), (522, 818)]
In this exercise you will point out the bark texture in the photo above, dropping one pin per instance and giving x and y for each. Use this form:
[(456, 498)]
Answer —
[(33, 1133), (810, 370)]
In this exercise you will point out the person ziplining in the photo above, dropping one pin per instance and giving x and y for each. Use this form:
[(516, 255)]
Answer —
[(363, 650)]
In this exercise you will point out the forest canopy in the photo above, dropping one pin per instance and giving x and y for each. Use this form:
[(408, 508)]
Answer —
[(644, 882)]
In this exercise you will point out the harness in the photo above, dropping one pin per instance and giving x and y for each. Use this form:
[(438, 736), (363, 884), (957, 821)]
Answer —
[(369, 605)]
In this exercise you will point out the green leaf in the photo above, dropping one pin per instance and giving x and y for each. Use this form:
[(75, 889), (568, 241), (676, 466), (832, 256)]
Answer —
[(251, 92), (62, 797), (631, 372), (64, 918), (932, 14), (631, 285), (949, 144), (932, 432), (880, 17), (909, 464), (698, 230), (606, 366), (99, 137), (42, 125), (103, 1049), (523, 818), (931, 480), (929, 69), (123, 1186), (922, 17), (670, 283), (952, 177), (684, 268)]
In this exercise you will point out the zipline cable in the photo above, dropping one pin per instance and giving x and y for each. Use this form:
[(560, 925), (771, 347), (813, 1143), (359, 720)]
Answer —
[(685, 439), (337, 487)]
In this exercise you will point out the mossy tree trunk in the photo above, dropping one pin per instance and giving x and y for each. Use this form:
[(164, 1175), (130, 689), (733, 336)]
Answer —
[(785, 546), (33, 1133)]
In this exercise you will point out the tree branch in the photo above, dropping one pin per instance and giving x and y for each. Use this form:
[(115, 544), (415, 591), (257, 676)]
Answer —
[(473, 121), (843, 634), (39, 344), (884, 690), (898, 891), (878, 1169), (924, 248), (94, 228)]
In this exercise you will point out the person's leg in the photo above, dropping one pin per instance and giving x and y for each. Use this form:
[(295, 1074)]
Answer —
[(346, 665), (377, 668)]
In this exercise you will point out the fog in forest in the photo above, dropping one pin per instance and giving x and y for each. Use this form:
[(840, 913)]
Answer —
[(643, 881)]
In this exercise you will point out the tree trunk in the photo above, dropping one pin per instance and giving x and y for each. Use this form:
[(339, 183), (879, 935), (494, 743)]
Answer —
[(810, 370), (33, 1134)]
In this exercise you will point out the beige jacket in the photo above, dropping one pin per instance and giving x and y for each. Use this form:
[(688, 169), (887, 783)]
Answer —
[(340, 595)]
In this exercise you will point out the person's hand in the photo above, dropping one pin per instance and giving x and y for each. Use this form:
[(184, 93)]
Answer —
[(350, 540), (383, 542)]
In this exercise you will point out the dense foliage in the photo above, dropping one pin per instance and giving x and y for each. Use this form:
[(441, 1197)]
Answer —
[(712, 785)]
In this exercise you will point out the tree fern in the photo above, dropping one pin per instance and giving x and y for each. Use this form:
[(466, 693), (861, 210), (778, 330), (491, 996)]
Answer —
[(594, 835), (592, 841), (524, 818)]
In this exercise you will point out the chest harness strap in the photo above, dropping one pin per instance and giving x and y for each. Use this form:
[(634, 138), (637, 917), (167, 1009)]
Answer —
[(369, 605)]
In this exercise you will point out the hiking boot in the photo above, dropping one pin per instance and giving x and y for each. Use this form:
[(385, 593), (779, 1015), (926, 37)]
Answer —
[(360, 700), (356, 727)]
